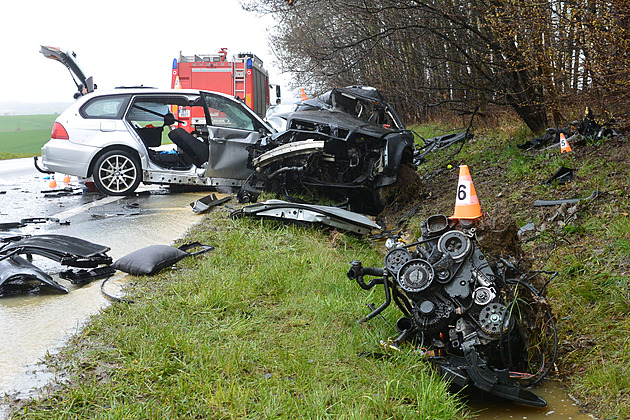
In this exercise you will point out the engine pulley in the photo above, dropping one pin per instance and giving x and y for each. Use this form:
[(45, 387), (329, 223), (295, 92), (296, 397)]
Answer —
[(455, 244), (492, 319), (483, 295), (415, 275), (395, 259)]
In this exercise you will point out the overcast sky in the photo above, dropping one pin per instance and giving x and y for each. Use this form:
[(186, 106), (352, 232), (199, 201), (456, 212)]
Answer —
[(120, 43)]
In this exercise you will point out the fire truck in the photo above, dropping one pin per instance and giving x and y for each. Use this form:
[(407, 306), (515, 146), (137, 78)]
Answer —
[(244, 78)]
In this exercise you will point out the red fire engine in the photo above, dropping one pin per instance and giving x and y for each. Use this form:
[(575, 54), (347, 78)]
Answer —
[(244, 77)]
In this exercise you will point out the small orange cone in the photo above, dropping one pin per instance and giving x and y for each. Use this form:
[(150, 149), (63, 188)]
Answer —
[(565, 147), (52, 183), (66, 179), (303, 94), (466, 204)]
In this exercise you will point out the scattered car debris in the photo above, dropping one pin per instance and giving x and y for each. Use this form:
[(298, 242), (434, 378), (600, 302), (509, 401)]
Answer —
[(115, 209), (302, 213), (551, 136), (206, 203), (66, 250), (543, 203), (529, 227), (11, 225), (65, 192), (576, 131), (29, 220), (18, 273), (86, 276), (481, 324), (561, 177), (437, 143)]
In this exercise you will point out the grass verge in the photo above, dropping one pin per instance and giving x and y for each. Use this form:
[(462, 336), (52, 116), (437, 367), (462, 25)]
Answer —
[(264, 326)]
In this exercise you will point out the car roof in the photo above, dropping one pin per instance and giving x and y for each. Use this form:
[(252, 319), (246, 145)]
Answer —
[(154, 91)]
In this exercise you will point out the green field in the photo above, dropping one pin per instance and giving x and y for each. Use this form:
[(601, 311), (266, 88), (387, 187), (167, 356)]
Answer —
[(24, 135)]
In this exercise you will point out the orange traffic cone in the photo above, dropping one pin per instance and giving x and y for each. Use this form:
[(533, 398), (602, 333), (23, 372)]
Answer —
[(303, 94), (66, 179), (565, 147), (52, 183), (467, 204)]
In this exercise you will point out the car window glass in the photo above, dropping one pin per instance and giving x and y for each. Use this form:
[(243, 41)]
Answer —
[(147, 113), (225, 113), (105, 107)]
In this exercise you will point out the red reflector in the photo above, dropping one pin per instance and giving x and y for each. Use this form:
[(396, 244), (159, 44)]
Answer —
[(58, 132)]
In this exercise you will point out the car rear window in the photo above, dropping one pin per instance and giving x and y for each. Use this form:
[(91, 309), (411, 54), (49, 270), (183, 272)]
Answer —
[(105, 107)]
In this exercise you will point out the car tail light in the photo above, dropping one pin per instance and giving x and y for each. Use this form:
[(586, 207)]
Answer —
[(59, 132)]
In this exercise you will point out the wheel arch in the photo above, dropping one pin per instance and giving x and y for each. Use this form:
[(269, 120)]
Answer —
[(128, 149)]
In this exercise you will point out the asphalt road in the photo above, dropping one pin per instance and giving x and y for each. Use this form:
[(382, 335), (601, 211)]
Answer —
[(33, 324)]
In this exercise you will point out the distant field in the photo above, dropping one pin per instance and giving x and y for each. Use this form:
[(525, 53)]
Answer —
[(24, 135)]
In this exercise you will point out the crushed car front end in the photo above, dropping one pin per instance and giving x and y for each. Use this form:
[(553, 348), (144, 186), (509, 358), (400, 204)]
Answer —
[(335, 152)]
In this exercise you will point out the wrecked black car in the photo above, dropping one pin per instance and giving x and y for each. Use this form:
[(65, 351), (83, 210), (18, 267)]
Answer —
[(348, 144), (482, 324)]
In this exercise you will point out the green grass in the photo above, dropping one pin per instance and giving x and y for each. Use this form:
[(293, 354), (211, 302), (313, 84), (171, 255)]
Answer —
[(24, 135), (263, 327)]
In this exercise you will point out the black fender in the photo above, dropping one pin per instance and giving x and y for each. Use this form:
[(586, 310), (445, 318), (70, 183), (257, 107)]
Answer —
[(398, 151)]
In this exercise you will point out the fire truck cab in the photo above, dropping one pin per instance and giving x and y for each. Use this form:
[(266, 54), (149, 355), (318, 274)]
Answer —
[(244, 78)]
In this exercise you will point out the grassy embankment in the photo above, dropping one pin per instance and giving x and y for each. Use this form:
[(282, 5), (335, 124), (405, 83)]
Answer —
[(264, 326), (588, 244)]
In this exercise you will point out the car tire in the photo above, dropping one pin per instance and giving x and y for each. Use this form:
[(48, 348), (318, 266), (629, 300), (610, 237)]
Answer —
[(117, 172)]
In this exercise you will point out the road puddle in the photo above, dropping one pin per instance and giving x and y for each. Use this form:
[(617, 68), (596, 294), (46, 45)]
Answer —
[(560, 405), (32, 325)]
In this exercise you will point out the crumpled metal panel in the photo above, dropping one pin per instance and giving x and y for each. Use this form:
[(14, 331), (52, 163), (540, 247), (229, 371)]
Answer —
[(16, 271), (309, 213)]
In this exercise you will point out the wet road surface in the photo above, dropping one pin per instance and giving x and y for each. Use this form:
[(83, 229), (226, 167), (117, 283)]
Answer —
[(32, 325)]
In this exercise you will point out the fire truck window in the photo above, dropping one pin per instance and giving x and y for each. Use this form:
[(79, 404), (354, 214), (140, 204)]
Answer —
[(225, 113)]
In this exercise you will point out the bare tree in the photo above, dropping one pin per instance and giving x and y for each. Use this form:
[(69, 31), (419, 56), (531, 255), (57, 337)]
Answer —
[(422, 54)]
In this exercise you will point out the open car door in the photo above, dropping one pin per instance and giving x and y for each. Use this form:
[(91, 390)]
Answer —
[(232, 128)]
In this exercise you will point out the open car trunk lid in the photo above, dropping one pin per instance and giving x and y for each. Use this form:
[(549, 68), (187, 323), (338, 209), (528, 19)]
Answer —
[(68, 59)]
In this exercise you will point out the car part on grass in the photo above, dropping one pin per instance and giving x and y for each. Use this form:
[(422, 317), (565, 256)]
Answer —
[(561, 177), (206, 203), (16, 274), (481, 324), (308, 214), (544, 203), (437, 143)]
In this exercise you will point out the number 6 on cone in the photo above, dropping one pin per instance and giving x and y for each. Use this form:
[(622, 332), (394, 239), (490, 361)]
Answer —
[(466, 202)]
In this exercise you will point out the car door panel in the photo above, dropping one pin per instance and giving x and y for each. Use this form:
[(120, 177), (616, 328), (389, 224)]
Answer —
[(228, 152)]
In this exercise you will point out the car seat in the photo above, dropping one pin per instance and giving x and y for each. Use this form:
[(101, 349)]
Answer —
[(196, 150)]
